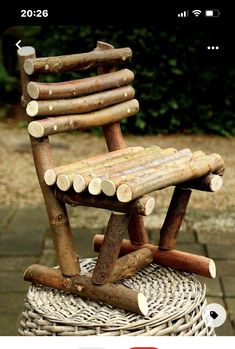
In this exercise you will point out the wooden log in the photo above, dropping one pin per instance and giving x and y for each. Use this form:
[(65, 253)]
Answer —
[(81, 285), (51, 174), (178, 260), (128, 265), (80, 61), (136, 231), (76, 88), (211, 183), (110, 249), (112, 132), (109, 186), (82, 178), (172, 175), (26, 51), (80, 105), (65, 180), (102, 117), (174, 218), (56, 210), (143, 206)]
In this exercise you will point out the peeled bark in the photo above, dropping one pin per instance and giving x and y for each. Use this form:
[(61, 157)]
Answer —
[(76, 88), (102, 117), (170, 175), (52, 173), (178, 260), (140, 159), (109, 186), (84, 173), (80, 61), (80, 105)]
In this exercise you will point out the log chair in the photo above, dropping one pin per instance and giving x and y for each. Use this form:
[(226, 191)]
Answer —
[(118, 181)]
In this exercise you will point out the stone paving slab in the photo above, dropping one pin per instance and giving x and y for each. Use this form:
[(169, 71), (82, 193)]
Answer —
[(9, 325), (191, 248), (225, 267), (6, 213), (12, 282), (213, 286), (24, 234), (218, 252), (83, 241), (12, 303), (230, 302), (184, 236), (16, 263), (228, 283), (48, 258), (216, 229)]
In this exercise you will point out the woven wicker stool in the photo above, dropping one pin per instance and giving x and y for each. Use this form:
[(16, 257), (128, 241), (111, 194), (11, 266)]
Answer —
[(176, 301)]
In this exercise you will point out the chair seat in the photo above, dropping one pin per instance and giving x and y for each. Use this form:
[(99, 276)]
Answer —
[(137, 173)]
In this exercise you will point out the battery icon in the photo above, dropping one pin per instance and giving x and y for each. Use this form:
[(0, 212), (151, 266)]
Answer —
[(212, 13)]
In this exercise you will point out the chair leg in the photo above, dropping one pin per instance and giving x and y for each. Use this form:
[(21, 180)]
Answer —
[(117, 226), (56, 210), (174, 218), (136, 230)]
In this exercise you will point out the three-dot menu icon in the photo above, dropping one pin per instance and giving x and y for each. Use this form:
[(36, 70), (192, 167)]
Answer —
[(213, 47)]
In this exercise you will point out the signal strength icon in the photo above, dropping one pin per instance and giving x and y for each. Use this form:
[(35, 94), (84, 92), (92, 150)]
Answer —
[(196, 12), (183, 14)]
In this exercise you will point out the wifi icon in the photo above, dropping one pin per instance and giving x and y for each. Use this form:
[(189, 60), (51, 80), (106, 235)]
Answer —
[(196, 12)]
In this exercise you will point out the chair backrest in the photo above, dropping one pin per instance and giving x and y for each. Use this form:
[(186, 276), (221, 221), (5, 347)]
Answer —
[(101, 100)]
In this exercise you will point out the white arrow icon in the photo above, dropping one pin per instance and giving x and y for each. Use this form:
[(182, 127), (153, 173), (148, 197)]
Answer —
[(18, 44)]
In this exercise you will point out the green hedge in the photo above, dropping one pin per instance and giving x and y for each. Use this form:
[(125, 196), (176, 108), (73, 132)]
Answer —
[(181, 88)]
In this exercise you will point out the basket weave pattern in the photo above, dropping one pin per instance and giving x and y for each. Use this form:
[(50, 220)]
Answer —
[(175, 299)]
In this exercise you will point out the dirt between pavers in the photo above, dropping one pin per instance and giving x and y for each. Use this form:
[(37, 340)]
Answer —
[(18, 181)]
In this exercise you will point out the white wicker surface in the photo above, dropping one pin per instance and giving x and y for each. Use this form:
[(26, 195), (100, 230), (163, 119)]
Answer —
[(176, 301)]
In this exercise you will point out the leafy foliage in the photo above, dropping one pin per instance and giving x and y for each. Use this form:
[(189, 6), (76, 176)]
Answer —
[(181, 88)]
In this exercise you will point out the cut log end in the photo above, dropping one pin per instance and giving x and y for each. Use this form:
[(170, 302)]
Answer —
[(29, 67), (63, 182), (50, 177), (26, 51), (79, 184), (108, 187), (32, 108), (124, 193), (35, 129), (212, 269), (216, 183), (143, 304), (94, 186), (150, 204), (33, 90)]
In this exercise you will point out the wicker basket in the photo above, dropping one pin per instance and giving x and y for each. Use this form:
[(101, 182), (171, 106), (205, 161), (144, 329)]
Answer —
[(176, 301)]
